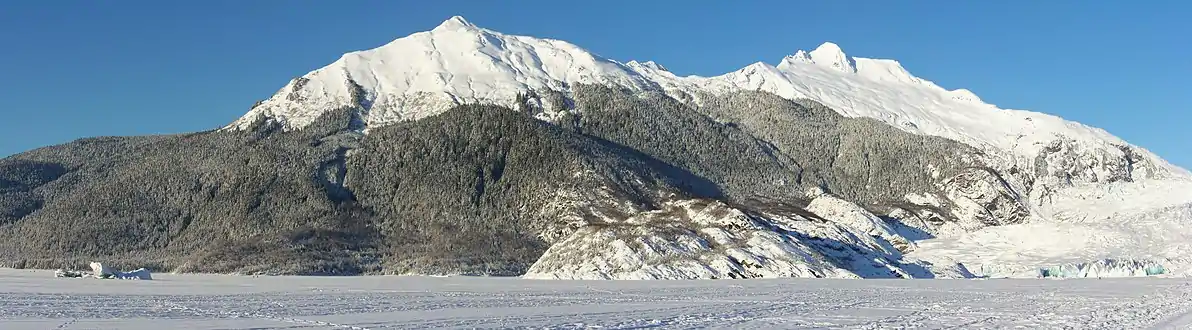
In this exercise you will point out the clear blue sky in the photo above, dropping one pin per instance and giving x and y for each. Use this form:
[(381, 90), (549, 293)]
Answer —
[(73, 69)]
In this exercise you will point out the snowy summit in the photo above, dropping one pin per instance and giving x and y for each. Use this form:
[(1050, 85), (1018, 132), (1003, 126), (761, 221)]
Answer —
[(458, 62)]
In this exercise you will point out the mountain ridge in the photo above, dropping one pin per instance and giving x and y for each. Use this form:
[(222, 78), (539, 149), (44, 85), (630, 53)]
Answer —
[(477, 65)]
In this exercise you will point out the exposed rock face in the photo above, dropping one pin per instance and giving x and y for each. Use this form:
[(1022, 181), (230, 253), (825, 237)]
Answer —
[(844, 213), (1065, 162), (985, 198)]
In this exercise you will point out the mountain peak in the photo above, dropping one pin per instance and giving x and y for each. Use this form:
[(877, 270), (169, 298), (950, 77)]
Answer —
[(800, 57), (455, 23), (426, 73), (647, 64), (829, 47), (830, 55)]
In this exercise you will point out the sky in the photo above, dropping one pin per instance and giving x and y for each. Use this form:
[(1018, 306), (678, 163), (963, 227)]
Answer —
[(73, 69)]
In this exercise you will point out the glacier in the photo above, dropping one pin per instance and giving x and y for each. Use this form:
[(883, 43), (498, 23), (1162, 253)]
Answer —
[(1105, 268), (1099, 269)]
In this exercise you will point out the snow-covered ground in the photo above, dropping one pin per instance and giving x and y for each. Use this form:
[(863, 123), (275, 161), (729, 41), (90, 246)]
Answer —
[(36, 300), (1136, 225)]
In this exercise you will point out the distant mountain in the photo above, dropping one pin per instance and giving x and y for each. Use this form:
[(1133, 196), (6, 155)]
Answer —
[(463, 150)]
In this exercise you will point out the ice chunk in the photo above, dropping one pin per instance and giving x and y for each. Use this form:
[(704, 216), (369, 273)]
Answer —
[(99, 270), (1105, 268), (139, 274), (69, 273)]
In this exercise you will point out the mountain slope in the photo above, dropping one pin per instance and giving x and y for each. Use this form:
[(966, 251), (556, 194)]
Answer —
[(484, 190), (474, 190), (436, 194), (148, 201), (458, 63)]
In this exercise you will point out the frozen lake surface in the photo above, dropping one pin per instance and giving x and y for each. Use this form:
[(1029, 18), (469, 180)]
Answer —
[(36, 300)]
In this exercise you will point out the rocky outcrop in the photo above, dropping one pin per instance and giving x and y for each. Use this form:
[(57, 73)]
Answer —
[(980, 195), (689, 239)]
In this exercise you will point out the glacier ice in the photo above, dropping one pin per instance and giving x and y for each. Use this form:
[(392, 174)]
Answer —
[(1104, 268), (99, 270)]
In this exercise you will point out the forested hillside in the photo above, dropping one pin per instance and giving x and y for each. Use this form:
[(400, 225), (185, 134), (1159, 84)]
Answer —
[(475, 190)]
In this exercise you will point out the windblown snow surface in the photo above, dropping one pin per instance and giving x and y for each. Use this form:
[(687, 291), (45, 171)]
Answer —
[(36, 300), (1099, 206)]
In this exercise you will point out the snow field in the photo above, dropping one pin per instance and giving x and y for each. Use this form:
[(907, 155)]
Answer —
[(36, 300)]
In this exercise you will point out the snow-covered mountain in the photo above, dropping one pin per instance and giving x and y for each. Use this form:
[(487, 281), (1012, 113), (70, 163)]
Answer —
[(465, 150), (457, 63), (1054, 165), (428, 72)]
